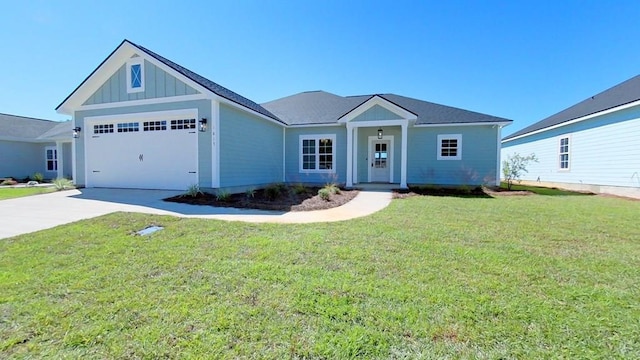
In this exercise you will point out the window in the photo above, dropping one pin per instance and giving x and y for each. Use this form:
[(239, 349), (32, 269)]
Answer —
[(135, 75), (564, 153), (181, 124), (317, 153), (449, 147), (155, 125), (102, 128), (128, 127), (51, 156)]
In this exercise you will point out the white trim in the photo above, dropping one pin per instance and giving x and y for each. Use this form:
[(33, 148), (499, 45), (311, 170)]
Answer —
[(74, 165), (317, 137), (162, 100), (403, 156), (371, 140), (55, 159), (503, 123), (559, 146), (355, 158), (314, 125), (498, 156), (350, 157), (215, 144), (131, 63), (60, 159), (586, 117), (284, 154), (373, 101), (243, 108), (457, 137)]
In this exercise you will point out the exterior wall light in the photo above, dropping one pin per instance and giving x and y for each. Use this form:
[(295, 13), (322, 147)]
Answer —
[(380, 134), (203, 124), (76, 132)]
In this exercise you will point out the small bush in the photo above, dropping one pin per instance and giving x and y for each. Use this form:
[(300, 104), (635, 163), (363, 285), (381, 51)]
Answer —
[(38, 177), (250, 193), (274, 191), (332, 188), (223, 196), (62, 184), (193, 191), (299, 189), (325, 194), (8, 182)]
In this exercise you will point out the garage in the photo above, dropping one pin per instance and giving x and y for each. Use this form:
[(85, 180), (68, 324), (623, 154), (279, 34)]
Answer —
[(142, 151)]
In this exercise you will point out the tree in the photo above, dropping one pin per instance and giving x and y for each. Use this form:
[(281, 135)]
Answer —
[(515, 166)]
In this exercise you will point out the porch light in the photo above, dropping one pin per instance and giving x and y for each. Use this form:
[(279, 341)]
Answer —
[(380, 134), (203, 124), (76, 132)]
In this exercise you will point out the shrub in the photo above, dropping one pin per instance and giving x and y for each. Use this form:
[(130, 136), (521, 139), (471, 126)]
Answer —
[(223, 196), (274, 191), (299, 189), (62, 184), (250, 193), (193, 191), (38, 177), (325, 194), (514, 167), (332, 188)]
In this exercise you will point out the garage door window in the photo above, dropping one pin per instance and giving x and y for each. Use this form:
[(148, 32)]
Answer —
[(155, 125), (128, 127), (102, 128), (183, 124)]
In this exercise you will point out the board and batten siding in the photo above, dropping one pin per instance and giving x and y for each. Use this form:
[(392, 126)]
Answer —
[(292, 155), (204, 138), (157, 84), (477, 166), (604, 150), (250, 149), (376, 112)]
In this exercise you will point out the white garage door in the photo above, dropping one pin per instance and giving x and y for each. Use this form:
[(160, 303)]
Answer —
[(142, 154)]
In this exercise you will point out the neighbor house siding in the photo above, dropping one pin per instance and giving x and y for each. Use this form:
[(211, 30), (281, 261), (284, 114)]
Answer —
[(293, 174), (204, 138), (604, 150), (250, 149), (477, 166), (21, 159), (377, 112), (157, 84)]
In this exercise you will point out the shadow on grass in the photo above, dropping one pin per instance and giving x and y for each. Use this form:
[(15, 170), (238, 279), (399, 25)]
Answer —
[(539, 190)]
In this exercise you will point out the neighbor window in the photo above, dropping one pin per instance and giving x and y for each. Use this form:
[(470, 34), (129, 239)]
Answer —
[(449, 147), (135, 75), (564, 153), (51, 156), (317, 153)]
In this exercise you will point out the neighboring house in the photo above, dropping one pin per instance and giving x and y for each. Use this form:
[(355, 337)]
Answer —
[(593, 145), (147, 122), (29, 146)]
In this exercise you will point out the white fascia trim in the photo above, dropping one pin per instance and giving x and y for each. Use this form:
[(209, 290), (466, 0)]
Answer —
[(378, 123), (377, 100), (315, 125), (501, 124), (586, 117), (17, 139), (165, 115), (163, 100)]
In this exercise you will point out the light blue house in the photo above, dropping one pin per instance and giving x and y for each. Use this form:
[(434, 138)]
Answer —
[(29, 146), (593, 145), (143, 121)]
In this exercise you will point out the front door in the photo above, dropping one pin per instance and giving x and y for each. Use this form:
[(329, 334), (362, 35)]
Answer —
[(380, 158)]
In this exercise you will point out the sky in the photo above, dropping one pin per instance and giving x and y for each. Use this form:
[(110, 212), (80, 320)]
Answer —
[(520, 60)]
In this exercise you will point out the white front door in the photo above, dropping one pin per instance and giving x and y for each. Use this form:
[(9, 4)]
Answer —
[(379, 161)]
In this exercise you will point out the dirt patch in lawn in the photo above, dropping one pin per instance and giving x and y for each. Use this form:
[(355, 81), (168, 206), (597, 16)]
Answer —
[(288, 199), (477, 192)]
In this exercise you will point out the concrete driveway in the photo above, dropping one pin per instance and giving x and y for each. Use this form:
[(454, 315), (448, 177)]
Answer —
[(32, 213)]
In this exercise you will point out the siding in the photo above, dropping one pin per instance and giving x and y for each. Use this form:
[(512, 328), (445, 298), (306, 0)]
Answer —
[(478, 164), (602, 151), (377, 112), (293, 174), (250, 149), (158, 84), (21, 159)]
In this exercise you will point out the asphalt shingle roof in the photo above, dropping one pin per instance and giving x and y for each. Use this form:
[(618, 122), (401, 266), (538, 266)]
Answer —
[(25, 128), (621, 94)]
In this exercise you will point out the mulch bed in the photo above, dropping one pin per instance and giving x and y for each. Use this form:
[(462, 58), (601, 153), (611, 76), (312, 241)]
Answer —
[(289, 200), (483, 192)]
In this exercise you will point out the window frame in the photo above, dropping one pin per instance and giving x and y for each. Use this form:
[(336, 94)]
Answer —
[(317, 153), (54, 160), (567, 153), (130, 64), (441, 138)]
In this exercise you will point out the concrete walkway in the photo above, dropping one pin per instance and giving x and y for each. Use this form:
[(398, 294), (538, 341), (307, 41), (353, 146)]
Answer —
[(32, 213)]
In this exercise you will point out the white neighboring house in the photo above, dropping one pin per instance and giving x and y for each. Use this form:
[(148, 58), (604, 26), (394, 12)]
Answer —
[(591, 146)]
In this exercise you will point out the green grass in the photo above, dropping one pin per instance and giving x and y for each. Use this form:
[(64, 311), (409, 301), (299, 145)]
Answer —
[(428, 277), (542, 190), (13, 192)]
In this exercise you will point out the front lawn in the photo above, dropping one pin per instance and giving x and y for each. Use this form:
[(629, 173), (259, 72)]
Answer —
[(14, 192), (428, 277)]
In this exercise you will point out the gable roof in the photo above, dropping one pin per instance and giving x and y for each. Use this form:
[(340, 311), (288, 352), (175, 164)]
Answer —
[(621, 94), (22, 128), (320, 107), (201, 80)]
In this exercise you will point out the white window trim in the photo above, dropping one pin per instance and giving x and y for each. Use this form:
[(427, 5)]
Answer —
[(560, 168), (136, 61), (55, 158), (331, 137), (449, 137)]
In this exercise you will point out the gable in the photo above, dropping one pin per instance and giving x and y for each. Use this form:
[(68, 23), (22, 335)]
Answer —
[(158, 84), (377, 112)]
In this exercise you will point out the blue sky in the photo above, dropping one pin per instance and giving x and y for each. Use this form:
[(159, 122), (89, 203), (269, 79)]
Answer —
[(522, 60)]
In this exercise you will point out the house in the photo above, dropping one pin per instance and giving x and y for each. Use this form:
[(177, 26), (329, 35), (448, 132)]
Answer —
[(144, 121), (29, 146), (593, 145)]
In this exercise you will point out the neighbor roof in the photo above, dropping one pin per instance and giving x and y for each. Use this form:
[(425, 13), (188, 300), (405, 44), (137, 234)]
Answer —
[(320, 107), (621, 94), (24, 128)]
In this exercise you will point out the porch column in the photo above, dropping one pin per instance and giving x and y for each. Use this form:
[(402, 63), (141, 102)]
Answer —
[(349, 156), (403, 158), (355, 155), (60, 159)]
